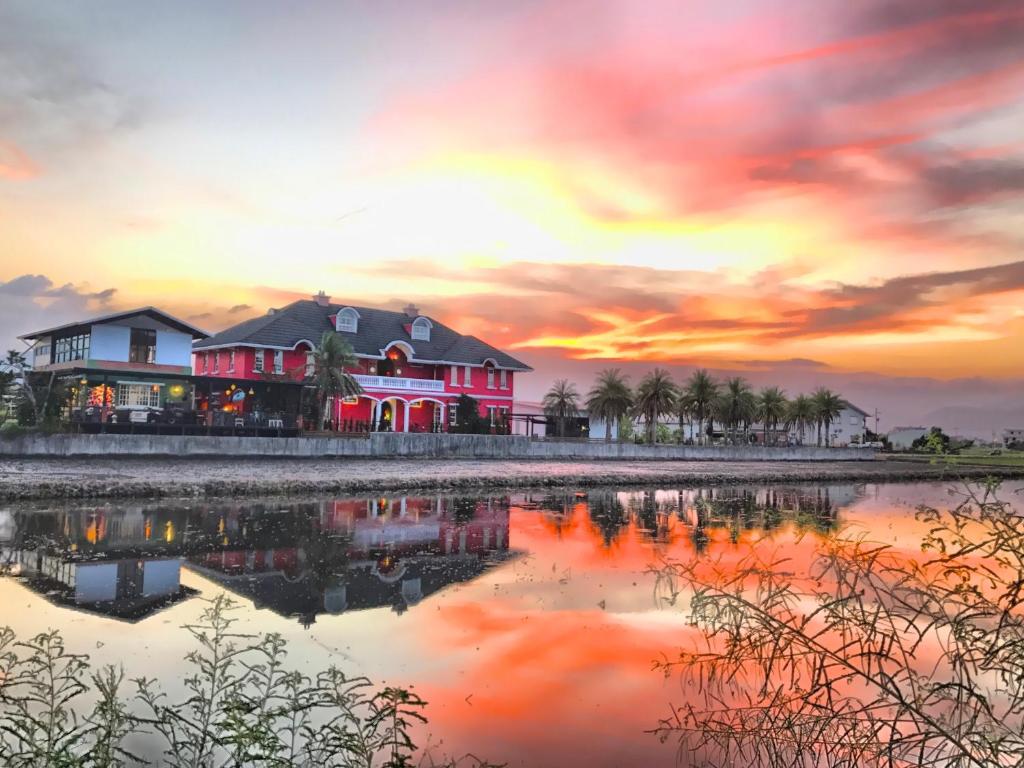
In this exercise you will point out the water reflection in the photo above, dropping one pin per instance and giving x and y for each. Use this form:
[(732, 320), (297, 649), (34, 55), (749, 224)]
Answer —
[(733, 509), (298, 560)]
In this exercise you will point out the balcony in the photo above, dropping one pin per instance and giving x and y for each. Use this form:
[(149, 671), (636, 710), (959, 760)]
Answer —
[(398, 384)]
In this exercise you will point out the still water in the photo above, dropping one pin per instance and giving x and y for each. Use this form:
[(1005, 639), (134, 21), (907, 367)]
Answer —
[(529, 622)]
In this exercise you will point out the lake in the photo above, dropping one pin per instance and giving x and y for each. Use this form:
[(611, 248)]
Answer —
[(530, 622)]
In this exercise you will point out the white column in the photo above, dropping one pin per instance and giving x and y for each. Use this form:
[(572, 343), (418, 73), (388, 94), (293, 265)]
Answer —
[(376, 415), (405, 421)]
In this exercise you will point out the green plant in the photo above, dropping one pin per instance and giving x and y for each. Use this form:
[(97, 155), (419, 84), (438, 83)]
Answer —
[(561, 402), (874, 658), (11, 429), (610, 399), (656, 396), (242, 707)]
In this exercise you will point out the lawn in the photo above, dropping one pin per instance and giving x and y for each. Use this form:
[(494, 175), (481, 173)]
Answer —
[(972, 456)]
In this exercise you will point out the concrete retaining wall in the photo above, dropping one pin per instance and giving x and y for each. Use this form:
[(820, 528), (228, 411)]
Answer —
[(385, 445)]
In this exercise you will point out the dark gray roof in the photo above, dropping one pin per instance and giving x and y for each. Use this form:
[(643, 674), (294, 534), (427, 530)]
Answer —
[(152, 312), (853, 407), (305, 320)]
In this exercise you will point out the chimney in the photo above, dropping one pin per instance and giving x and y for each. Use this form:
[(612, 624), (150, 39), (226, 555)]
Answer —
[(322, 299), (411, 310)]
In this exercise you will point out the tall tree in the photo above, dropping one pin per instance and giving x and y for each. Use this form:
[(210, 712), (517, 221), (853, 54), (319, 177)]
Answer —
[(656, 396), (329, 361), (800, 414), (736, 405), (827, 407), (700, 393), (771, 409), (562, 402), (610, 399)]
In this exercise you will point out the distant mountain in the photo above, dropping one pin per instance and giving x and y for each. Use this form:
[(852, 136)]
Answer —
[(975, 421)]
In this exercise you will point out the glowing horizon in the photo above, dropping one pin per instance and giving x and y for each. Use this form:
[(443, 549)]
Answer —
[(731, 187)]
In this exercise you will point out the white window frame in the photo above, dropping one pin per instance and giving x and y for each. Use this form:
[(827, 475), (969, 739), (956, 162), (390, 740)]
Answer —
[(137, 395), (310, 363), (420, 330), (453, 414), (231, 361), (455, 376), (347, 321), (490, 377), (492, 412), (206, 362), (504, 379), (278, 361), (467, 377), (216, 361), (257, 361)]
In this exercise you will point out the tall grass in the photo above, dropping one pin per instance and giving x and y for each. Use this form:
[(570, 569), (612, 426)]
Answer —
[(242, 706)]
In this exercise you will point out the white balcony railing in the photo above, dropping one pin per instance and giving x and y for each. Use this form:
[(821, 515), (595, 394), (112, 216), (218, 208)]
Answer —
[(397, 384)]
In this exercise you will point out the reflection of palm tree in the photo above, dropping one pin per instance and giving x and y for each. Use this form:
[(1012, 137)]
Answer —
[(607, 514)]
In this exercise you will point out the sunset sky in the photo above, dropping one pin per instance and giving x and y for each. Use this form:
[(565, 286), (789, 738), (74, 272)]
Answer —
[(808, 192)]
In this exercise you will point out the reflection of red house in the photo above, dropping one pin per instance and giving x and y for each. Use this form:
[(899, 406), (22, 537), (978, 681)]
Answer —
[(412, 368), (356, 554), (407, 525)]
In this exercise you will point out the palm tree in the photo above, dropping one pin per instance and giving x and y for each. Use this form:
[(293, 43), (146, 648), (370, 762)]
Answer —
[(609, 399), (800, 413), (736, 405), (562, 402), (656, 396), (700, 393), (329, 360), (827, 407), (771, 409)]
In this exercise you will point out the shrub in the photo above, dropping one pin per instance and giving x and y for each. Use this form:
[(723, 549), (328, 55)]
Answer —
[(11, 429), (242, 707)]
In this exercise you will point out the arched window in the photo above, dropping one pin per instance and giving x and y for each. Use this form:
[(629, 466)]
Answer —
[(347, 321), (421, 329)]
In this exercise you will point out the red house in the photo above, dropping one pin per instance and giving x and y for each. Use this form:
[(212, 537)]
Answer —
[(412, 368)]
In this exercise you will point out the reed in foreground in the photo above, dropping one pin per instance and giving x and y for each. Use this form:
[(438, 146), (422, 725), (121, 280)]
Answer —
[(876, 657), (242, 707)]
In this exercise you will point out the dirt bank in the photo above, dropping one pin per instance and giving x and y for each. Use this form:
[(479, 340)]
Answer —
[(157, 478)]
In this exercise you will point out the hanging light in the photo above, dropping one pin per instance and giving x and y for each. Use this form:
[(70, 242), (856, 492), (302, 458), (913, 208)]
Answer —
[(252, 391)]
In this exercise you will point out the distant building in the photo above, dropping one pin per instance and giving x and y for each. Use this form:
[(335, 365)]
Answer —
[(139, 360), (1013, 436), (850, 427), (902, 438)]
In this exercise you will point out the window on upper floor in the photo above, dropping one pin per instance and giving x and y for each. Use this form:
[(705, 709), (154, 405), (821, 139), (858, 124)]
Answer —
[(142, 346), (41, 351), (467, 377), (310, 363), (421, 329), (216, 361), (347, 321), (206, 361), (278, 361), (504, 379), (490, 377), (257, 361), (455, 376), (231, 361), (71, 348)]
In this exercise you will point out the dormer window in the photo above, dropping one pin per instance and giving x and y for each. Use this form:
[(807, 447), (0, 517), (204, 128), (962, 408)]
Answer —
[(347, 321), (420, 329)]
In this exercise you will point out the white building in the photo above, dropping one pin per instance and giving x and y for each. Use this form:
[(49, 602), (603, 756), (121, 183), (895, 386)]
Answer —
[(850, 427), (1011, 436)]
